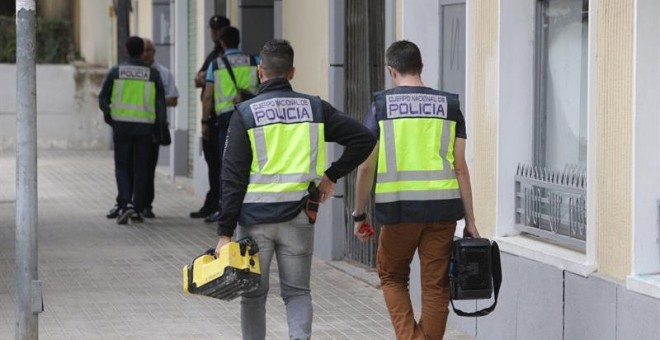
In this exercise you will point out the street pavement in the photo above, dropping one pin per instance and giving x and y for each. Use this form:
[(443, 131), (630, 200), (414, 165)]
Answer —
[(106, 281)]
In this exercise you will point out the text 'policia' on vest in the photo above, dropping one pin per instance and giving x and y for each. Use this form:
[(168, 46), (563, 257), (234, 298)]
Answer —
[(133, 96), (289, 125), (244, 69), (416, 122)]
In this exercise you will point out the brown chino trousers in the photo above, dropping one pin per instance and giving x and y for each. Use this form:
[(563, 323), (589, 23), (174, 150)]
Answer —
[(396, 249)]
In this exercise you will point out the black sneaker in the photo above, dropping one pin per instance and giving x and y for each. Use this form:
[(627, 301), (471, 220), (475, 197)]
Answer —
[(212, 218), (114, 212), (137, 218), (148, 213), (201, 213), (125, 215)]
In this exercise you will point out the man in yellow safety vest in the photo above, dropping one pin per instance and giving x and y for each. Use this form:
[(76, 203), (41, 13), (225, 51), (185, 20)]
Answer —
[(274, 160), (422, 189), (132, 100)]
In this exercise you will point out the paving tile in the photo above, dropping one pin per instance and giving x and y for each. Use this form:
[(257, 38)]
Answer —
[(105, 281)]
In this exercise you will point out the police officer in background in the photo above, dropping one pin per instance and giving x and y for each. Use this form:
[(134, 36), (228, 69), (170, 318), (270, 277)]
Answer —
[(229, 78), (422, 189), (133, 103), (274, 157), (210, 142), (171, 100)]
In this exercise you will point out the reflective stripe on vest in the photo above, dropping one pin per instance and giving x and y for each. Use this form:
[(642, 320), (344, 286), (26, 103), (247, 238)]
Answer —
[(286, 158), (406, 171), (224, 89), (133, 101)]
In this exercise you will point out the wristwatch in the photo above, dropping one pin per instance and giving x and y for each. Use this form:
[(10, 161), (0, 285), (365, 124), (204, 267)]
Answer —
[(359, 218)]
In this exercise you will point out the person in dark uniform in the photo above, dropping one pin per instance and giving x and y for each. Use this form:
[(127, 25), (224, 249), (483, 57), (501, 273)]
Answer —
[(209, 129), (225, 88), (132, 100), (274, 162)]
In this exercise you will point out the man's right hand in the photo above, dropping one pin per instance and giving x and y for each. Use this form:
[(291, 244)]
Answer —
[(200, 79), (363, 234), (205, 131)]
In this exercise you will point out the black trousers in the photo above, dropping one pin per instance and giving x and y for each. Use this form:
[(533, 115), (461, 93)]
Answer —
[(212, 157), (132, 168), (153, 161)]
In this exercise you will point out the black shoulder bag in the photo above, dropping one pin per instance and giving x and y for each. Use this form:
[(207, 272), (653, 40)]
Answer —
[(474, 272)]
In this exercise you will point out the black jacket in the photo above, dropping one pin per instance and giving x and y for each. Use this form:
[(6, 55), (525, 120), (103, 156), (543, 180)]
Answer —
[(213, 55), (105, 97), (338, 128)]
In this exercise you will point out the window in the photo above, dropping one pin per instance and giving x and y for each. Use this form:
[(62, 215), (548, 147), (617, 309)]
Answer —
[(561, 85), (551, 192)]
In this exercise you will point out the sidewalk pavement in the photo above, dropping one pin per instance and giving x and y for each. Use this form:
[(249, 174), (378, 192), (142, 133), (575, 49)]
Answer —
[(106, 281)]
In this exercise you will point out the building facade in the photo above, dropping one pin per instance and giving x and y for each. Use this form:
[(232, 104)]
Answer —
[(559, 98)]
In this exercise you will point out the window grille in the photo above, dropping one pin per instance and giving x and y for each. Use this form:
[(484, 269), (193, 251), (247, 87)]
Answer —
[(552, 204)]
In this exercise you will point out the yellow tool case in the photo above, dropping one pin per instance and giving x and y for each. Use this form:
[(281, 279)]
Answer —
[(234, 272)]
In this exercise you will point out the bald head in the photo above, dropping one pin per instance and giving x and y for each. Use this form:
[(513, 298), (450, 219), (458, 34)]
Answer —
[(149, 52)]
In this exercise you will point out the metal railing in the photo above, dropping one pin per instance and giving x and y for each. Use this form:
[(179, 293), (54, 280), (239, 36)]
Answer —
[(364, 74), (552, 204)]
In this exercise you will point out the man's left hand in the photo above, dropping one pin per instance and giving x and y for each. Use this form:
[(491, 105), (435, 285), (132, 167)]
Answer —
[(221, 243)]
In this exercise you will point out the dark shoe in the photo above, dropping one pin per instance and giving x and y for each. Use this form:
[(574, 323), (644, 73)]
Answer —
[(148, 213), (114, 212), (213, 218), (137, 218), (201, 213), (125, 215)]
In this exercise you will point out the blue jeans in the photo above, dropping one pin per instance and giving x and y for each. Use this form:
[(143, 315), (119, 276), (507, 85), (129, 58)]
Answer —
[(292, 242)]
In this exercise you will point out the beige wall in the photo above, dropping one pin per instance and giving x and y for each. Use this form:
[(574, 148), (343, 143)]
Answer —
[(233, 13), (142, 16), (96, 32), (56, 9), (308, 34), (614, 137), (482, 86)]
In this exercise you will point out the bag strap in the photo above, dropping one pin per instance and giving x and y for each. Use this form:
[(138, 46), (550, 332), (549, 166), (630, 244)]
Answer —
[(230, 71), (497, 283)]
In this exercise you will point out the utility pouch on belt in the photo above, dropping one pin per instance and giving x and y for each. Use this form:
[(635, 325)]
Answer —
[(312, 203), (474, 272), (235, 271)]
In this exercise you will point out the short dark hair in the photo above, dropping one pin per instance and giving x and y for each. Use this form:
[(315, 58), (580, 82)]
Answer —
[(135, 46), (218, 22), (231, 36), (277, 58), (405, 57)]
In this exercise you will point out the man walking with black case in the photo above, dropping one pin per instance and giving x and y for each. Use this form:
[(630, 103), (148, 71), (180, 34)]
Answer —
[(422, 189)]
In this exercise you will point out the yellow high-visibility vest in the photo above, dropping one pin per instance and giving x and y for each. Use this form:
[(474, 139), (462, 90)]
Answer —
[(416, 149), (133, 95), (287, 139), (224, 89)]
